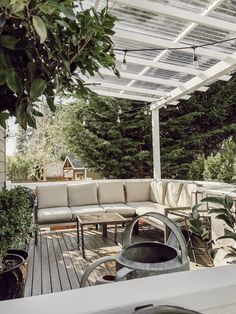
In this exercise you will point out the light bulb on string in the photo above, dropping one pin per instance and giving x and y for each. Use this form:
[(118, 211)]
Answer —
[(149, 113), (195, 59), (84, 122), (145, 112), (119, 111), (165, 106), (124, 64), (118, 119)]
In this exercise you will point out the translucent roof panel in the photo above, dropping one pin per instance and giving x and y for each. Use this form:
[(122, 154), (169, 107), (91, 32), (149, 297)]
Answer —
[(175, 28)]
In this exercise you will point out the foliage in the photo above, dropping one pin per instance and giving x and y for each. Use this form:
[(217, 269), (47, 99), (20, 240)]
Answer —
[(23, 167), (45, 48), (221, 166), (196, 169), (115, 150), (15, 219), (196, 127), (223, 210), (37, 147)]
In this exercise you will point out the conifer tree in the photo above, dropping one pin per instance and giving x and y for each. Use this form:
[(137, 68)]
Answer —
[(113, 149)]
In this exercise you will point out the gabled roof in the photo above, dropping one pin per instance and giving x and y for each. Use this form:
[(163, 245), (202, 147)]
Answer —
[(161, 77), (74, 161)]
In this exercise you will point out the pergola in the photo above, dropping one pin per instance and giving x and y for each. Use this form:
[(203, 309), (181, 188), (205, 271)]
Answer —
[(162, 77)]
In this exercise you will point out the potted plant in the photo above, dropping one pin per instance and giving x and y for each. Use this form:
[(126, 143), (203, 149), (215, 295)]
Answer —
[(16, 225), (221, 208), (46, 48)]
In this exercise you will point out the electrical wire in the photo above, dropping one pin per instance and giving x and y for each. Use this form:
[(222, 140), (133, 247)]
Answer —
[(126, 50)]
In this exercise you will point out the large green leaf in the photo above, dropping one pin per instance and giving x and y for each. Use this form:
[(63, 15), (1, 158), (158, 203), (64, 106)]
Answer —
[(13, 81), (37, 87), (214, 200), (40, 28)]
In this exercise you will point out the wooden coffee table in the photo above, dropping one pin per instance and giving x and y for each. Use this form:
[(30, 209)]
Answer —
[(91, 219)]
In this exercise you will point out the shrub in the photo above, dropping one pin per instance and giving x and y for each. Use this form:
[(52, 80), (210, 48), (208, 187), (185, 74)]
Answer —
[(196, 169), (221, 167), (15, 219)]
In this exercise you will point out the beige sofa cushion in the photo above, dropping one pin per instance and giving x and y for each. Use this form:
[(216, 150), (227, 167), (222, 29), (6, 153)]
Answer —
[(122, 209), (186, 197), (137, 191), (89, 209), (52, 195), (173, 191), (158, 191), (82, 194), (111, 192), (54, 215)]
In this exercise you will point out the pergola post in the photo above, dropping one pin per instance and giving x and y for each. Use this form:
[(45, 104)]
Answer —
[(156, 144)]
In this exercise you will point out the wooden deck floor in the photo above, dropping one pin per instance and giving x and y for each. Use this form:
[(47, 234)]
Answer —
[(56, 264)]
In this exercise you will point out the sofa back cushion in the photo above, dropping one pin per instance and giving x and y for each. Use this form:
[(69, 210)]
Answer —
[(158, 191), (82, 194), (111, 192), (186, 197), (52, 195), (137, 191), (173, 190)]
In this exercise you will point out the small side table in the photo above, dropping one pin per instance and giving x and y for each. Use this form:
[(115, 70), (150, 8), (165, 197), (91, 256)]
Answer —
[(92, 219)]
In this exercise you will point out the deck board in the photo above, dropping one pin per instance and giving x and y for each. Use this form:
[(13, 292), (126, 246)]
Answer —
[(56, 264)]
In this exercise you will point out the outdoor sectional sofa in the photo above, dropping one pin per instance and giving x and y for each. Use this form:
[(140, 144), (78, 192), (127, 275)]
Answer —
[(61, 203)]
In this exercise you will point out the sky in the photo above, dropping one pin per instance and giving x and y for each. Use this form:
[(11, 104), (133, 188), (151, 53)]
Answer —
[(11, 139)]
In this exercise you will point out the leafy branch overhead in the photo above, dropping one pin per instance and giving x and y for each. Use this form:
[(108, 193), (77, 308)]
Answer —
[(45, 48)]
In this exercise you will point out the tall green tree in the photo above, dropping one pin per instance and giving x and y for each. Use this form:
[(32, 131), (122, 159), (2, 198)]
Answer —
[(113, 149), (197, 127)]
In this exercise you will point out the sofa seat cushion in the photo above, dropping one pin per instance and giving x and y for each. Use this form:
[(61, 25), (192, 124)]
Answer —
[(137, 191), (87, 209), (54, 215), (52, 195), (145, 207), (120, 208), (111, 192)]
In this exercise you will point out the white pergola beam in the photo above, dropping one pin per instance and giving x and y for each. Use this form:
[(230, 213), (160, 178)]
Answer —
[(210, 75), (125, 96), (143, 78), (158, 8), (163, 43), (128, 88)]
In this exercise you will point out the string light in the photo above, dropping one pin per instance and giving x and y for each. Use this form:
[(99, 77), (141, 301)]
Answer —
[(165, 106), (118, 119), (84, 123), (194, 47), (195, 59), (119, 111), (124, 64)]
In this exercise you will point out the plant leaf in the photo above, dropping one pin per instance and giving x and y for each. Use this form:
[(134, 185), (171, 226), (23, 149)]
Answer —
[(40, 28), (13, 81), (37, 87), (3, 117), (229, 202), (215, 200), (8, 41)]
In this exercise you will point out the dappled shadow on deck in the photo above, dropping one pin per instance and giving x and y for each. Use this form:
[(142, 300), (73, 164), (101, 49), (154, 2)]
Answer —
[(56, 264)]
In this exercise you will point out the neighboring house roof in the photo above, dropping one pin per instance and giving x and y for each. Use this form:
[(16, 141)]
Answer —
[(74, 161)]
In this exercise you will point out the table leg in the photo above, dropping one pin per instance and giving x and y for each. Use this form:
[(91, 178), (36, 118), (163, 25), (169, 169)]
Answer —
[(82, 240), (77, 227), (104, 230)]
